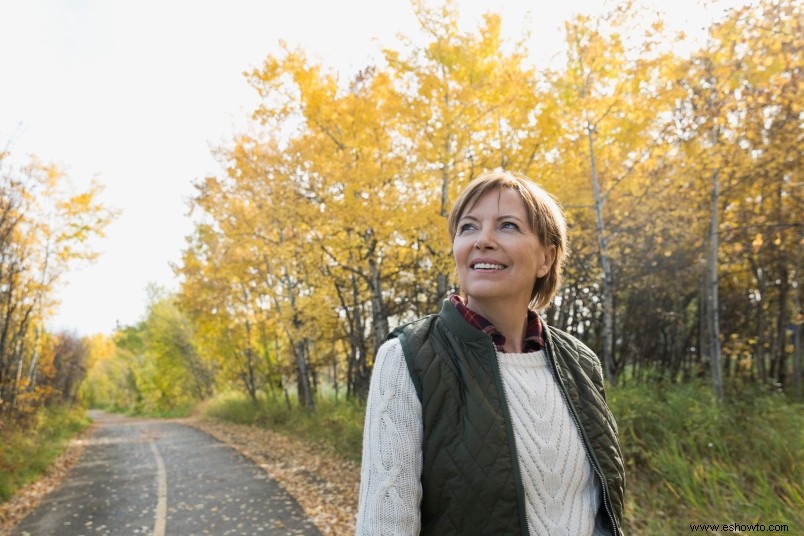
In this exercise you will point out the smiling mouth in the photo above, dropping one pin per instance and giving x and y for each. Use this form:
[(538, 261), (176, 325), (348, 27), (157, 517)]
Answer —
[(487, 266)]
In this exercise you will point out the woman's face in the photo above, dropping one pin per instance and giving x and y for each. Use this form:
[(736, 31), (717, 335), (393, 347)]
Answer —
[(497, 255)]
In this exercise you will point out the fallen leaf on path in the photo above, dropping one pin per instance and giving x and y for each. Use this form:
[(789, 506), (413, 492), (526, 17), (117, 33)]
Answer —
[(325, 485)]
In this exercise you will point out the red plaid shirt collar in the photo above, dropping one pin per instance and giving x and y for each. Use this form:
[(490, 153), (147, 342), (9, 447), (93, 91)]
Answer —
[(534, 333)]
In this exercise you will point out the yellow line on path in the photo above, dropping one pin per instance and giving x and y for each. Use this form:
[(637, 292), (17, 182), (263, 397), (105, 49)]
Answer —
[(161, 504)]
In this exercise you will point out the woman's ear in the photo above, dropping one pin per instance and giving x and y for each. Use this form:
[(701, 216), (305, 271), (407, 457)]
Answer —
[(549, 259)]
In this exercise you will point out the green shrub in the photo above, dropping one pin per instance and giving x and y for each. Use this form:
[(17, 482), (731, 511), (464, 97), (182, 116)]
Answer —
[(693, 460)]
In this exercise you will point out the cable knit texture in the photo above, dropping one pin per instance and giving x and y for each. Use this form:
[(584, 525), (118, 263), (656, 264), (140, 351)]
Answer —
[(562, 494), (390, 486)]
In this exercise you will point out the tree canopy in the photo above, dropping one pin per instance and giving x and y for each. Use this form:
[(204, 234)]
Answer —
[(326, 227)]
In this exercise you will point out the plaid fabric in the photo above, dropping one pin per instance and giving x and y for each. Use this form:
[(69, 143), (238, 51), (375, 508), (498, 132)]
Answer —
[(534, 334)]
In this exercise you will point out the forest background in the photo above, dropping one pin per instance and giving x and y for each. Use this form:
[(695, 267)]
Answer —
[(680, 176)]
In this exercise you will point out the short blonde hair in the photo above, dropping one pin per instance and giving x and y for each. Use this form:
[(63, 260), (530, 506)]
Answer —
[(546, 220)]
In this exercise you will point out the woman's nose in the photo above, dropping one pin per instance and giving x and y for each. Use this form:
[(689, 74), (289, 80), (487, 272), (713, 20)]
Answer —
[(485, 239)]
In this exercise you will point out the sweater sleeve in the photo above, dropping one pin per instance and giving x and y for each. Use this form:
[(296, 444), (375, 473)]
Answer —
[(390, 477)]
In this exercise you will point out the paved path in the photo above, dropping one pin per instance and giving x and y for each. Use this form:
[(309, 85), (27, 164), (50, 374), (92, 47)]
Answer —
[(161, 478)]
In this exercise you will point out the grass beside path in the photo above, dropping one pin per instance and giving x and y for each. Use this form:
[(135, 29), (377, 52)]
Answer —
[(26, 453), (692, 461), (34, 460), (336, 426)]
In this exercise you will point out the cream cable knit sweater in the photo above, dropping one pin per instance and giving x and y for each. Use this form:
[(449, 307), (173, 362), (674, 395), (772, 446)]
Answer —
[(562, 493)]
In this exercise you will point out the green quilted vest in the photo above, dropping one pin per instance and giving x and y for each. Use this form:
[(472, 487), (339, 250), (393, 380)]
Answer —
[(470, 475)]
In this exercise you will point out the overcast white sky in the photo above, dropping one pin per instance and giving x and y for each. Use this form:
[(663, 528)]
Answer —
[(135, 93)]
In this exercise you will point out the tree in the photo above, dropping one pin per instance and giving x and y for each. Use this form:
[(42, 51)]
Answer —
[(44, 230), (471, 104), (740, 127), (327, 225), (611, 102)]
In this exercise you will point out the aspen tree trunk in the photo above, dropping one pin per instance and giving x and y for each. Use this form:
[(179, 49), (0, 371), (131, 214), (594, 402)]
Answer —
[(712, 268), (7, 381), (379, 317), (32, 370), (442, 288), (762, 372), (303, 386), (300, 351), (18, 351), (779, 367), (284, 384), (703, 315), (17, 381), (250, 373), (359, 374), (797, 331), (714, 321), (759, 349), (797, 361), (357, 370), (442, 280), (605, 263)]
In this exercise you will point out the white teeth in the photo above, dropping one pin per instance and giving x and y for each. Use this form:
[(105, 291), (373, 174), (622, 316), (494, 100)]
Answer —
[(487, 266)]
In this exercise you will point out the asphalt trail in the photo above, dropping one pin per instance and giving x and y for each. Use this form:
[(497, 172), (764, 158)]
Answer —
[(158, 478)]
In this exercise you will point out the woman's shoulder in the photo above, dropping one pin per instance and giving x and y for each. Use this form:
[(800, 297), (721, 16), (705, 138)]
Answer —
[(412, 335), (571, 347), (413, 326), (390, 372), (392, 347), (567, 340)]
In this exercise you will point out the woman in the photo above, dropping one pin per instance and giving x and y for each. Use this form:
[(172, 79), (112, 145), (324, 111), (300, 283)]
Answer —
[(481, 419)]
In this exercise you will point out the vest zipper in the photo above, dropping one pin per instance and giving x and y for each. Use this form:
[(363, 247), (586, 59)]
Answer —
[(511, 439), (589, 453)]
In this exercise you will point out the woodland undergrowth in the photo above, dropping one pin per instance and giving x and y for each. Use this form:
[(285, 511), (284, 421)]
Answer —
[(26, 452)]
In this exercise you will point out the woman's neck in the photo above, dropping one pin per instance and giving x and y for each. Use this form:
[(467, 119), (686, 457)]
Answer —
[(510, 319)]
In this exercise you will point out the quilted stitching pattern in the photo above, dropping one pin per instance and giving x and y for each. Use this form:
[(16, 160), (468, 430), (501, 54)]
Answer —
[(585, 382), (469, 483), (469, 486), (476, 463)]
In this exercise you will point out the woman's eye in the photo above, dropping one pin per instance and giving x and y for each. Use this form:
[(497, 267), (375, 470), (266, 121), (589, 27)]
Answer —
[(510, 225), (466, 227)]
